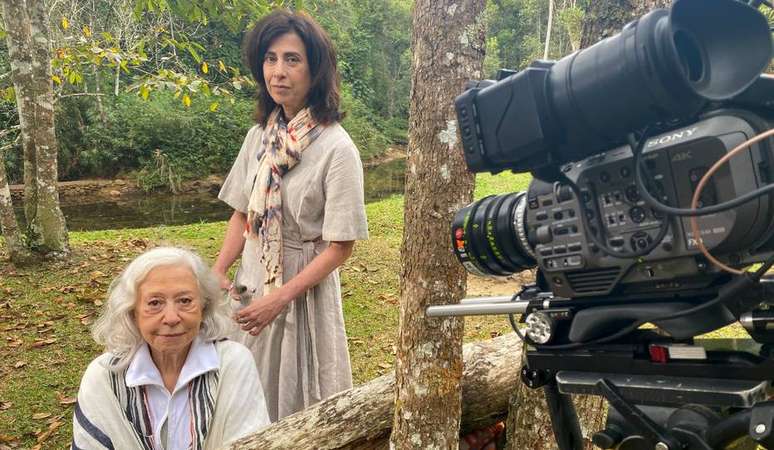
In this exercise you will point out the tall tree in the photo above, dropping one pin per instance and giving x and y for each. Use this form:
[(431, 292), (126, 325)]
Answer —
[(29, 50), (605, 18), (8, 224), (448, 49)]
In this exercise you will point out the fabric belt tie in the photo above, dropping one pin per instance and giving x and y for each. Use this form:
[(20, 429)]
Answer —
[(306, 308)]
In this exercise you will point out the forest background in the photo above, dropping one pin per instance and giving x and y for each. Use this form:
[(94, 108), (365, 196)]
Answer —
[(155, 96)]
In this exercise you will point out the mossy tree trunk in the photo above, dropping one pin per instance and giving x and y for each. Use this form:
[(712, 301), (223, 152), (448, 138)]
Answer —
[(8, 223), (448, 50), (605, 18), (29, 49)]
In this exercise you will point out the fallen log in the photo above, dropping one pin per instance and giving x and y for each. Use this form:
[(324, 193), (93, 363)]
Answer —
[(361, 418)]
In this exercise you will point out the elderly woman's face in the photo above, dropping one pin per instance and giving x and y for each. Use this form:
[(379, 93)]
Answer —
[(286, 72), (168, 311)]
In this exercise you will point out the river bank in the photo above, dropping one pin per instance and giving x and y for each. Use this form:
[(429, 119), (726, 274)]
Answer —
[(74, 192)]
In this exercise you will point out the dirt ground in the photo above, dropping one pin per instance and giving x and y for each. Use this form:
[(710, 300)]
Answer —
[(497, 286)]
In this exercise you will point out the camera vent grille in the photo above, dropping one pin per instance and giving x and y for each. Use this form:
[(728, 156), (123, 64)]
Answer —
[(589, 281)]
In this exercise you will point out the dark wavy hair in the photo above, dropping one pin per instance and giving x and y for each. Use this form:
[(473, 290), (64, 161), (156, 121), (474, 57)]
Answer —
[(323, 98)]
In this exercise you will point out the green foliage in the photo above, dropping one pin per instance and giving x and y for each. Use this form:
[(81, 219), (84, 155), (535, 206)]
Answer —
[(163, 173), (520, 28), (363, 126), (373, 43), (571, 20), (233, 13), (140, 134)]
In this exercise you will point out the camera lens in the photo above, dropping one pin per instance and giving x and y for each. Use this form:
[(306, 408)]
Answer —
[(489, 235)]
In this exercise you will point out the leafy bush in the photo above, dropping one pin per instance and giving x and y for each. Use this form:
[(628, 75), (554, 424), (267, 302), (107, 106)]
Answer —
[(162, 142), (194, 141), (363, 126)]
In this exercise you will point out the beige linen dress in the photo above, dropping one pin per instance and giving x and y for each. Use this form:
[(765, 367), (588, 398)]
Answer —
[(302, 356)]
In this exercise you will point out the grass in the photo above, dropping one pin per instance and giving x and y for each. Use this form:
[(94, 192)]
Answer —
[(46, 312)]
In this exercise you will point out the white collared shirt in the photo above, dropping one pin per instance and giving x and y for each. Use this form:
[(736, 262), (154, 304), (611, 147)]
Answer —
[(171, 412)]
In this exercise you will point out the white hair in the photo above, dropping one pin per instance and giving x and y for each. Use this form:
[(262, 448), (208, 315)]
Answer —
[(116, 328)]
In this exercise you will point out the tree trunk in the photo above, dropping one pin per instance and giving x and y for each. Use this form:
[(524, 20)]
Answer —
[(8, 224), (448, 47), (529, 426), (29, 48), (360, 418), (52, 221), (548, 28), (18, 39), (605, 18)]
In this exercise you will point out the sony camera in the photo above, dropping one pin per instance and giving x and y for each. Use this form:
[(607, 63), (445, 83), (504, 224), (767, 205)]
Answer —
[(686, 84), (625, 229)]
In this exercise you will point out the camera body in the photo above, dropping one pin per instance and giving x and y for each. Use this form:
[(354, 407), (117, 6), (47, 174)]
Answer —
[(676, 73), (546, 221)]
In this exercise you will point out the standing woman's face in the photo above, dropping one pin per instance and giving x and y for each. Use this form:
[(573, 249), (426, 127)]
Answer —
[(286, 73)]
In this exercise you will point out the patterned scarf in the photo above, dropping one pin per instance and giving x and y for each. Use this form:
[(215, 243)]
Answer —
[(281, 148)]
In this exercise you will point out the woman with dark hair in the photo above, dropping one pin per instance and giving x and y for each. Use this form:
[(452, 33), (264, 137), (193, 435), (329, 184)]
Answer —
[(297, 193)]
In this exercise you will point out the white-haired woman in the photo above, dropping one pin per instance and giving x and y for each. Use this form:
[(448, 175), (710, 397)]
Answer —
[(167, 379)]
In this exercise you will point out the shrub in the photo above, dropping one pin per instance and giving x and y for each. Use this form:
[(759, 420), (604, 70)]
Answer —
[(194, 141), (363, 126)]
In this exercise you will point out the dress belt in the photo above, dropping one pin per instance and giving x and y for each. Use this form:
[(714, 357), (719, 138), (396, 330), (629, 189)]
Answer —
[(310, 369)]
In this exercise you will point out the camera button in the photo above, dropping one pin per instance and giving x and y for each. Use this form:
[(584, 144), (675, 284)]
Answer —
[(617, 242), (542, 215), (575, 247), (545, 251), (559, 249)]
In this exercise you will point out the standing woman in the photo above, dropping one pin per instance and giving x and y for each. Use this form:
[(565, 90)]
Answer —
[(297, 193)]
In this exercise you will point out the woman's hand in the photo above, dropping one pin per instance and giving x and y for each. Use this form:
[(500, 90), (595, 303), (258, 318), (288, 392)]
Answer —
[(223, 280), (226, 285), (254, 317), (264, 309)]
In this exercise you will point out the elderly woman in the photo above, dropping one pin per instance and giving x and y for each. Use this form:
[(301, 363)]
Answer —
[(297, 193), (167, 380)]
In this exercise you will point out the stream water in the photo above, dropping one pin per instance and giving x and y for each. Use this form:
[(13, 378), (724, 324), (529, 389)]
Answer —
[(166, 209)]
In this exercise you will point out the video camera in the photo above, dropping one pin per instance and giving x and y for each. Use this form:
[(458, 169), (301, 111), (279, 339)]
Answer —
[(648, 150)]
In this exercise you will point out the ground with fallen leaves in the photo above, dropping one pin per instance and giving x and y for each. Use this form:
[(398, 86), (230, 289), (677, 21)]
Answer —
[(46, 312)]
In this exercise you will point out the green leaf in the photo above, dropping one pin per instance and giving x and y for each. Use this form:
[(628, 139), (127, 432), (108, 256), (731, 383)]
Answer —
[(194, 54), (144, 92), (9, 94)]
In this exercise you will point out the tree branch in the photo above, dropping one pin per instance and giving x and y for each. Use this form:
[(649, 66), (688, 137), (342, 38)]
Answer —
[(80, 94), (9, 130)]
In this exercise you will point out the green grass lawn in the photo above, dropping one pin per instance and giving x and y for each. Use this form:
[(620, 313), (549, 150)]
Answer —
[(46, 312)]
